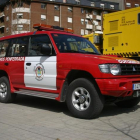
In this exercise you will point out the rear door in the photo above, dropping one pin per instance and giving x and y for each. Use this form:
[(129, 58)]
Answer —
[(15, 60), (40, 70)]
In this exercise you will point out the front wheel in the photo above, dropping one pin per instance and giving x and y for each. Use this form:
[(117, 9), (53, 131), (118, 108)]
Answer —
[(5, 94), (128, 103), (83, 100)]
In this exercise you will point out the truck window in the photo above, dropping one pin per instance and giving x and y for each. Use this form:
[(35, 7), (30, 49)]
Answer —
[(35, 45), (18, 47), (138, 18), (3, 47)]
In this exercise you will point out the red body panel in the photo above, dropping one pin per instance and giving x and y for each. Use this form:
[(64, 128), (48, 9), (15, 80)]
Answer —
[(117, 86)]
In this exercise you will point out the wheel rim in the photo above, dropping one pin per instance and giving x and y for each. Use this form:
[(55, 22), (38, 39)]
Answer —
[(81, 99), (3, 90)]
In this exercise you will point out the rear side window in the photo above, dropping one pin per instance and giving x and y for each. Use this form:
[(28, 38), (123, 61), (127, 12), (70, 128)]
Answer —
[(35, 45), (18, 47), (3, 47), (138, 18)]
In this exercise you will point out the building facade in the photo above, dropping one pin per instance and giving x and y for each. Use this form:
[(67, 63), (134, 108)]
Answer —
[(82, 16)]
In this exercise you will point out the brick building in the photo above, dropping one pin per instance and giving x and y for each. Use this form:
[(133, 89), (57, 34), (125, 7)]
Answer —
[(126, 4), (18, 16)]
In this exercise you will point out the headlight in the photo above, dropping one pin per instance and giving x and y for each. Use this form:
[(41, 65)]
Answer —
[(110, 68)]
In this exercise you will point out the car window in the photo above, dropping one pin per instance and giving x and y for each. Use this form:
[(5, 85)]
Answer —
[(18, 47), (70, 43), (35, 45), (3, 47)]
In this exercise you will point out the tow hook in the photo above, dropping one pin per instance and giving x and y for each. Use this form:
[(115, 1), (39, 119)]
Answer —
[(136, 93)]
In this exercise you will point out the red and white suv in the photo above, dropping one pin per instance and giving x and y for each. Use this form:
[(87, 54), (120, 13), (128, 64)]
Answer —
[(59, 65)]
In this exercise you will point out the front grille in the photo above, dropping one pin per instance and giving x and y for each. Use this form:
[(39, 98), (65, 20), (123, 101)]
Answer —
[(130, 69)]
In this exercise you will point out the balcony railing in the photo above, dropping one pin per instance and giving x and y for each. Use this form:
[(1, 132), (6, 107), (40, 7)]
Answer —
[(2, 14)]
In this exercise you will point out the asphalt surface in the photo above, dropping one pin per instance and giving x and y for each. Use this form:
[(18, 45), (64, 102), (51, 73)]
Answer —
[(31, 118)]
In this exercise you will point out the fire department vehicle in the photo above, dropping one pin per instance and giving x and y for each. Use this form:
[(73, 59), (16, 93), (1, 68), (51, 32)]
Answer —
[(59, 65)]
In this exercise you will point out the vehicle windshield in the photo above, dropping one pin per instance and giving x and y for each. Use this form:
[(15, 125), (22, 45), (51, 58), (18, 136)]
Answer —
[(73, 44)]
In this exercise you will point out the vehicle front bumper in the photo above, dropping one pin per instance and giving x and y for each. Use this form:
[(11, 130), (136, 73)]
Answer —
[(122, 87)]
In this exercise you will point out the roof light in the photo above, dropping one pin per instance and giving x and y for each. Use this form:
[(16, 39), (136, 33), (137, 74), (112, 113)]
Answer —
[(45, 27)]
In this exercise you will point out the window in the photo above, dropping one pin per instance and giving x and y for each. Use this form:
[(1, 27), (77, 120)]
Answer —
[(82, 10), (138, 18), (18, 47), (69, 19), (20, 4), (69, 44), (77, 2), (111, 6), (82, 31), (136, 5), (56, 7), (128, 4), (36, 42), (7, 18), (43, 6), (19, 27), (86, 32), (56, 18), (70, 9), (7, 29), (19, 15), (7, 8), (3, 47), (102, 5), (82, 21), (95, 13), (86, 11), (92, 4), (86, 21), (64, 1), (43, 17)]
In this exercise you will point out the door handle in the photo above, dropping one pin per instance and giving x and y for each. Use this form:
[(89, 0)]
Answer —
[(6, 64), (28, 64)]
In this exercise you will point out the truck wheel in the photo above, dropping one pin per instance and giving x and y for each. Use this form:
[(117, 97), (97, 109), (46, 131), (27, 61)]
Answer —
[(5, 94), (128, 103), (83, 99)]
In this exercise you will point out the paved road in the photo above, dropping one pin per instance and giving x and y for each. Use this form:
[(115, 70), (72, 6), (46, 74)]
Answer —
[(31, 118)]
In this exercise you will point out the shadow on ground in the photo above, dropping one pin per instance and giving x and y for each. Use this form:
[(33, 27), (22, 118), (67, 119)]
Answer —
[(52, 105)]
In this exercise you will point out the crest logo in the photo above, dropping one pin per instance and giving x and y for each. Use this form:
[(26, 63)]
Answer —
[(39, 72)]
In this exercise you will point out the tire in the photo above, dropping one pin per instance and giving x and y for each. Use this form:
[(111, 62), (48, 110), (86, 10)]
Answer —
[(83, 100), (5, 94), (128, 103)]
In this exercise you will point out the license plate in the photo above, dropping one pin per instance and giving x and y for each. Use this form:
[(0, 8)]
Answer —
[(136, 86)]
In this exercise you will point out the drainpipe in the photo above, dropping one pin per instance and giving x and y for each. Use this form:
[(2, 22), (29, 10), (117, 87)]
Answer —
[(60, 15)]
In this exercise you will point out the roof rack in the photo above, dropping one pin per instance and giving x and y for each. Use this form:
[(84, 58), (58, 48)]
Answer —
[(41, 27)]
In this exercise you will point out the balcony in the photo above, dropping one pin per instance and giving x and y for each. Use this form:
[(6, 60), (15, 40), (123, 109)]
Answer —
[(98, 17), (2, 14), (1, 34), (89, 16), (21, 21), (98, 28), (2, 25), (25, 10), (19, 32), (89, 26)]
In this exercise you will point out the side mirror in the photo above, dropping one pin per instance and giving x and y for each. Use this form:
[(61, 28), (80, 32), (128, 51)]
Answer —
[(45, 49)]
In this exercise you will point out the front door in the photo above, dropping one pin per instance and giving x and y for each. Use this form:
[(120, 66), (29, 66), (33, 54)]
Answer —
[(39, 70)]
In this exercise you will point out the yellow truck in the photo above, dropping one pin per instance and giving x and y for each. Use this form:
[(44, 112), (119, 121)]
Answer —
[(121, 33)]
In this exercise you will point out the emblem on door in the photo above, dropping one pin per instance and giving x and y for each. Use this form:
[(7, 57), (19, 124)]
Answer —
[(39, 72)]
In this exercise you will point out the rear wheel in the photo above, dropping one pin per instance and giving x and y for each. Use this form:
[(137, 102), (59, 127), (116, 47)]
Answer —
[(5, 94), (128, 103), (83, 99)]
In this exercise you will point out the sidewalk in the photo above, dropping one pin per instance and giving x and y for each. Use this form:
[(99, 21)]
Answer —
[(31, 118)]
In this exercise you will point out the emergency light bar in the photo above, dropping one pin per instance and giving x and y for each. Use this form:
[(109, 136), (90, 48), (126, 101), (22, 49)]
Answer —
[(45, 27)]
